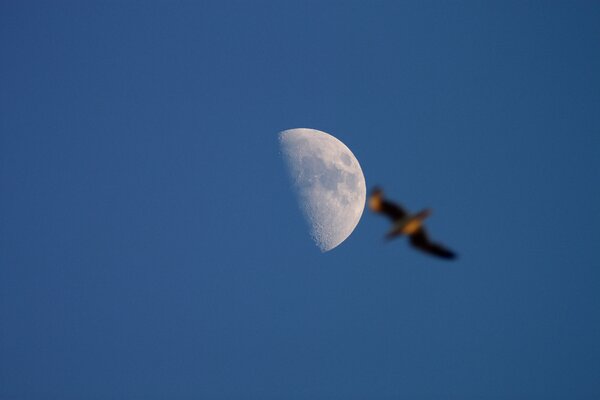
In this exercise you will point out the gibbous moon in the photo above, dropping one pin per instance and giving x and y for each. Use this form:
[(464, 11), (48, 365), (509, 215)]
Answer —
[(329, 183)]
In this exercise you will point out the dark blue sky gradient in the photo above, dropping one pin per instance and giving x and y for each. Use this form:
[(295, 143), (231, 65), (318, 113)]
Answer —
[(151, 247)]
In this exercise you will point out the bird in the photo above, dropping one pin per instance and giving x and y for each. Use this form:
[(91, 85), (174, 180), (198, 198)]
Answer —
[(407, 224)]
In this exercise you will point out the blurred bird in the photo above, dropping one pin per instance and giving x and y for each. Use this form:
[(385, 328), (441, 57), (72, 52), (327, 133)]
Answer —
[(407, 224)]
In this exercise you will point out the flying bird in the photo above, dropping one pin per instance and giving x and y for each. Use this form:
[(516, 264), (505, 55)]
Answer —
[(407, 224)]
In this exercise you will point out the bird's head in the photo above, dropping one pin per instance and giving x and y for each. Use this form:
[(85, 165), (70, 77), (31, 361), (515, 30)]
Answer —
[(375, 199)]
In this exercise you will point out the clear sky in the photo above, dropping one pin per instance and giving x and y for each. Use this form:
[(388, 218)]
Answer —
[(151, 246)]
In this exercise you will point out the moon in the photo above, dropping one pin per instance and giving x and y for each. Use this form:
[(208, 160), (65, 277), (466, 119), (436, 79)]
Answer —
[(328, 181)]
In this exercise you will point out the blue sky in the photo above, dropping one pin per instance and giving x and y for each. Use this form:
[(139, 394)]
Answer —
[(151, 247)]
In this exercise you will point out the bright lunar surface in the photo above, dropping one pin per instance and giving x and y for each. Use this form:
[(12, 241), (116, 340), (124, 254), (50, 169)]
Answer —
[(329, 183)]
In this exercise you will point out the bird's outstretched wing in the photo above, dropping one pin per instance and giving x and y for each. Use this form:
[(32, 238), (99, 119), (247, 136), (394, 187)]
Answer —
[(420, 240), (380, 205), (392, 210)]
